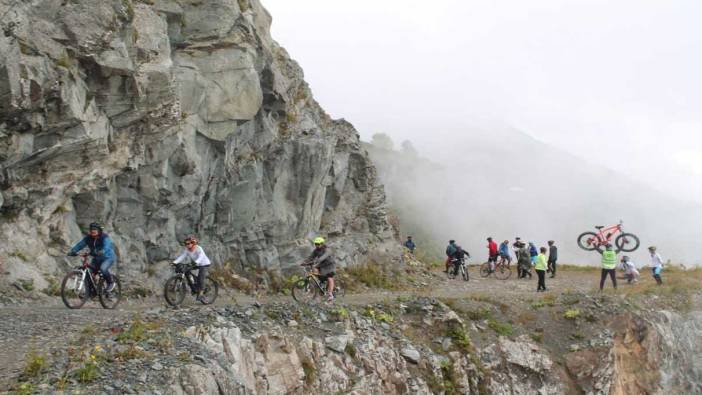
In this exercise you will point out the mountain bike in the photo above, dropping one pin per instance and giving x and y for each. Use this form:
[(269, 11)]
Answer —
[(308, 289), (591, 241), (83, 283), (458, 266), (502, 270), (176, 287)]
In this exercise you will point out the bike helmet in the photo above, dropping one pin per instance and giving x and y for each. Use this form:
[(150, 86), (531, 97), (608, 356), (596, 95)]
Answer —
[(452, 241), (319, 241), (95, 226), (190, 239), (652, 248)]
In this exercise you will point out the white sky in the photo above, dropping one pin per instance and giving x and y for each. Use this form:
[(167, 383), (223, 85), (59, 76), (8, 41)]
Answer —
[(618, 82)]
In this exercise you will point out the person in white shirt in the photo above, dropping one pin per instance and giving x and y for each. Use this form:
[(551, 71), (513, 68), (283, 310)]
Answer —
[(630, 272), (656, 265), (197, 255)]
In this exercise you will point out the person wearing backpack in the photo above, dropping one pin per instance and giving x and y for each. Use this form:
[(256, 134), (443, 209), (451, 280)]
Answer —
[(450, 251)]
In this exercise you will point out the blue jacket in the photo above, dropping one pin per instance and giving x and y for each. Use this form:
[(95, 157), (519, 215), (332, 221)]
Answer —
[(100, 247), (504, 249), (410, 244), (532, 250)]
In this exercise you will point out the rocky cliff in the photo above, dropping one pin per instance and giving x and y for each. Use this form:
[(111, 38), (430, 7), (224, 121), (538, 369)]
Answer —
[(163, 118)]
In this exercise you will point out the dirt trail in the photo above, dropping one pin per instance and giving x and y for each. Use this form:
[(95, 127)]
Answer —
[(50, 325)]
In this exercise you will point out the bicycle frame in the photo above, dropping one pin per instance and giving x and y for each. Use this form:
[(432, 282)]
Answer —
[(606, 234), (85, 269)]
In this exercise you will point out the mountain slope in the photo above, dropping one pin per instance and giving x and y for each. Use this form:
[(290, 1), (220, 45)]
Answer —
[(503, 183), (166, 118)]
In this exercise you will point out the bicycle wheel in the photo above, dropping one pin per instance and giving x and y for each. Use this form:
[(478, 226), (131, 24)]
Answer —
[(305, 291), (110, 300), (74, 291), (627, 242), (174, 291), (485, 269), (452, 272), (588, 241), (209, 291), (464, 272), (503, 272)]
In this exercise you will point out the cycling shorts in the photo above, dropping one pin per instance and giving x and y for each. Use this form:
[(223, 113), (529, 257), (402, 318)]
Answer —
[(656, 270), (325, 277), (492, 258)]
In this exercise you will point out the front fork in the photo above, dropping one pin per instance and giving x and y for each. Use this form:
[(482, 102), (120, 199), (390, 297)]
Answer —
[(80, 283)]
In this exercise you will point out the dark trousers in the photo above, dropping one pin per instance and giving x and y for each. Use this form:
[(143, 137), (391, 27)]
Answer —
[(201, 275), (542, 280), (552, 267), (603, 277)]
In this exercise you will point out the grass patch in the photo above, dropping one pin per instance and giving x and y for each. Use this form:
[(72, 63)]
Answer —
[(372, 275), (537, 337), (309, 369), (27, 285), (227, 277), (54, 287), (19, 255), (350, 349), (578, 268), (25, 389), (133, 352), (571, 314), (501, 328), (34, 364), (480, 314), (137, 331), (340, 313), (460, 338), (87, 373)]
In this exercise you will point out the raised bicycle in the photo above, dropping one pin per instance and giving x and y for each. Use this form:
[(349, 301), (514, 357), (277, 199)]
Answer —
[(177, 286), (84, 283), (591, 241)]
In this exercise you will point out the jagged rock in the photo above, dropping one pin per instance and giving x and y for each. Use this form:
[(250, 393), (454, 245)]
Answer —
[(411, 354), (167, 118), (337, 343)]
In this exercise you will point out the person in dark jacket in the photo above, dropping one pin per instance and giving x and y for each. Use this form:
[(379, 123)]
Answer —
[(323, 260), (552, 257), (409, 244), (102, 251), (524, 261), (450, 252)]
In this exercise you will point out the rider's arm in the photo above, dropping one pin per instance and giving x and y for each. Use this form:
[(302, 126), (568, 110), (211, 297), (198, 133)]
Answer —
[(322, 258), (182, 257), (81, 244)]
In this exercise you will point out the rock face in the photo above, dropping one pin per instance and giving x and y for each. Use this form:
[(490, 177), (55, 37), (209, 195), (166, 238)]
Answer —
[(165, 118)]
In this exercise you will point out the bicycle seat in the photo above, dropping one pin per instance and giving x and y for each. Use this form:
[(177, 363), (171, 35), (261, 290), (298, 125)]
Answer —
[(600, 227)]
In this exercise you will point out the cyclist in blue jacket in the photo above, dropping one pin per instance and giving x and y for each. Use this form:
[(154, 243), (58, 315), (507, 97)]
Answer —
[(102, 251)]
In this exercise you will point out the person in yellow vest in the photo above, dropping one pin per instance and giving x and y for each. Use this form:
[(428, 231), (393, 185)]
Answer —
[(609, 264), (540, 266)]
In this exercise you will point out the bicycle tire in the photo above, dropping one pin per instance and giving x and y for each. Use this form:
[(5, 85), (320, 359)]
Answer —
[(503, 272), (304, 291), (451, 273), (625, 239), (174, 291), (464, 273), (210, 291), (485, 270), (110, 301), (588, 241), (65, 292)]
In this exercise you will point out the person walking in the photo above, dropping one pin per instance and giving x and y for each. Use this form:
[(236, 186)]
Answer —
[(524, 261), (656, 265), (540, 267), (552, 257), (609, 264)]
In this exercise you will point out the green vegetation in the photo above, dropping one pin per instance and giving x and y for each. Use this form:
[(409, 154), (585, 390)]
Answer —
[(87, 373), (34, 364), (137, 331), (459, 337), (501, 328), (350, 350), (227, 277), (25, 389), (19, 255), (309, 369), (54, 287), (480, 314), (371, 275), (340, 313), (572, 314)]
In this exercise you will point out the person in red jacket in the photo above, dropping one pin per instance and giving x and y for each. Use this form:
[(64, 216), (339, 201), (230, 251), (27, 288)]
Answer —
[(492, 253)]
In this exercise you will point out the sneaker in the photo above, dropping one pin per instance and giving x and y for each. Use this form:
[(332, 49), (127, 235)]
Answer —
[(110, 287), (330, 299)]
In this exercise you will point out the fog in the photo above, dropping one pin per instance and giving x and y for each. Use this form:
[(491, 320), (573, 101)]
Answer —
[(616, 84)]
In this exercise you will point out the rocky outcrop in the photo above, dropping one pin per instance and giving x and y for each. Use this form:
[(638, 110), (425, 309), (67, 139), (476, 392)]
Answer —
[(165, 118)]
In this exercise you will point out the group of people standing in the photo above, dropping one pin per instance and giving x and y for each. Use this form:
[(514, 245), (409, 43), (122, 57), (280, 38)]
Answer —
[(631, 273), (528, 256)]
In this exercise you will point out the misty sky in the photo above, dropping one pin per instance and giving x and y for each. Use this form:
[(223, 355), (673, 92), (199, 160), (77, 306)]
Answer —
[(615, 82)]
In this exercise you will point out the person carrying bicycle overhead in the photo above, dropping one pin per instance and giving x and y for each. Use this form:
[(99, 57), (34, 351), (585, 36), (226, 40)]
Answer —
[(202, 262), (102, 251), (323, 260)]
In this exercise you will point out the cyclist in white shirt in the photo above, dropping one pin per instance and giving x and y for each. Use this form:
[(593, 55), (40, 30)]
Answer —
[(197, 255)]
